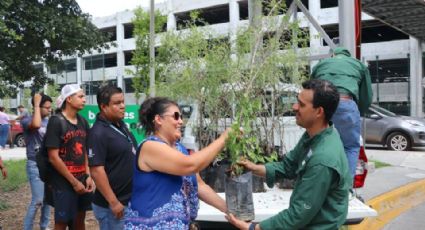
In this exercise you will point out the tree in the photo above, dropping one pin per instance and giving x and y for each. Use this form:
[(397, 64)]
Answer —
[(34, 31), (141, 53), (237, 79)]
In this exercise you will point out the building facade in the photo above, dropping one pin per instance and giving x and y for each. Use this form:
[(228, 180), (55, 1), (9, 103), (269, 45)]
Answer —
[(384, 49)]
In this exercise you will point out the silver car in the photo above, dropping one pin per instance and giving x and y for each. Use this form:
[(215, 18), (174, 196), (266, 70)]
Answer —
[(396, 132)]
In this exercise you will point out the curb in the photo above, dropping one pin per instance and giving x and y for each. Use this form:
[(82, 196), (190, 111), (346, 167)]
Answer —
[(391, 204)]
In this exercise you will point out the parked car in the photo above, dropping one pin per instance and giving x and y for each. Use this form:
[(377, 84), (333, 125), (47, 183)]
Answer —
[(394, 131), (16, 133)]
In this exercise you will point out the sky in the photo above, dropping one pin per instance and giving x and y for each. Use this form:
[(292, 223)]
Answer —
[(100, 8)]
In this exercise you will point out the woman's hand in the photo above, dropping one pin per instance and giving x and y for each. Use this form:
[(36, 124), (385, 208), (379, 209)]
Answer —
[(236, 222)]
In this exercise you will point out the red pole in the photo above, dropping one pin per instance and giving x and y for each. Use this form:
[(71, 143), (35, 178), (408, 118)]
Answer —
[(358, 24)]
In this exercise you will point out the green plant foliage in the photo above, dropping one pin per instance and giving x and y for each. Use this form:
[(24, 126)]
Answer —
[(141, 59), (41, 31), (237, 79), (16, 175), (16, 178)]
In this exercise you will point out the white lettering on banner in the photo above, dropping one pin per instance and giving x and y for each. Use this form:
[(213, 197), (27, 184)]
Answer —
[(129, 115), (92, 115)]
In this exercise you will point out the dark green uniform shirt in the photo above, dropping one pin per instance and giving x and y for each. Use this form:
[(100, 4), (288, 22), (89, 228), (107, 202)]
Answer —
[(320, 196), (349, 75)]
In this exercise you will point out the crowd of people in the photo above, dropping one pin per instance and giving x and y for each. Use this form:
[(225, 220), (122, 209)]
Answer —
[(155, 184)]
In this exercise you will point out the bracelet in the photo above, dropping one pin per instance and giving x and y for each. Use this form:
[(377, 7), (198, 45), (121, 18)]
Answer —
[(252, 226)]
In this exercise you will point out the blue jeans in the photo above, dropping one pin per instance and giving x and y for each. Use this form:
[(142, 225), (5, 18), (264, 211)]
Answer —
[(347, 121), (106, 218), (37, 192), (4, 132)]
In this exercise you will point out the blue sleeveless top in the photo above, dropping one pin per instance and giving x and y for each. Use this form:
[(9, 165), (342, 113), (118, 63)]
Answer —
[(160, 200)]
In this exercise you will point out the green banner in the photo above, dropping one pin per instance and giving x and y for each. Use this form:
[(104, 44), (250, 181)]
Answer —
[(131, 118)]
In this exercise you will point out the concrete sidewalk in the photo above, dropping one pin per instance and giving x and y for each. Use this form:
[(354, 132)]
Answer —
[(13, 153), (395, 189)]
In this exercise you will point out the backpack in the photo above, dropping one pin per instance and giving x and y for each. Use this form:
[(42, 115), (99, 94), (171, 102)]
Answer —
[(41, 154)]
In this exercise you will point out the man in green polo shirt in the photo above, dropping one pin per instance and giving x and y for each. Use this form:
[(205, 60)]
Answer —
[(318, 162), (351, 78)]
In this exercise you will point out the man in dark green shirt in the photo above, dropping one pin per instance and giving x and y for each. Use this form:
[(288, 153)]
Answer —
[(320, 196), (351, 78)]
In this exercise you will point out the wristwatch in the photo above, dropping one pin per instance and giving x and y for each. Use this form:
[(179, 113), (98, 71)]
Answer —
[(252, 226)]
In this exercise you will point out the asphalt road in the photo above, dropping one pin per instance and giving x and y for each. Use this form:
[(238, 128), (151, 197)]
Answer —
[(406, 167)]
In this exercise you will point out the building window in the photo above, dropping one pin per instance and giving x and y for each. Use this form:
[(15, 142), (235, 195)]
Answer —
[(128, 55), (110, 60), (266, 6), (332, 31), (285, 40), (243, 10), (100, 61), (393, 70), (390, 81), (211, 15), (110, 32), (128, 85), (67, 66), (328, 3), (92, 87), (376, 31), (128, 30), (372, 31)]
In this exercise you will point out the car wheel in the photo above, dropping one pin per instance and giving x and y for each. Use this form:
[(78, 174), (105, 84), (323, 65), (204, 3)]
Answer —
[(20, 141), (398, 141)]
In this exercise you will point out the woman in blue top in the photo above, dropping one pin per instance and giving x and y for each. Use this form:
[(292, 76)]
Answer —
[(166, 184)]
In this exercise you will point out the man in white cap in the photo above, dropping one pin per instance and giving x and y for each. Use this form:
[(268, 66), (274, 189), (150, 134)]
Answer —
[(70, 184)]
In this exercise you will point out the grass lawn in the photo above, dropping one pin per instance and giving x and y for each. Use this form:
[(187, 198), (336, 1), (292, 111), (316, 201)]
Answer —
[(16, 177), (379, 164)]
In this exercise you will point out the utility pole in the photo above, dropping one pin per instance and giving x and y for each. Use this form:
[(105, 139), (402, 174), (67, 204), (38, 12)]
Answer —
[(152, 50), (346, 16)]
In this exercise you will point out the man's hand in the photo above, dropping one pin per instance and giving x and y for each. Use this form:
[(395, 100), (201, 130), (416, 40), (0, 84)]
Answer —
[(90, 184), (37, 100), (259, 170), (236, 222), (247, 164), (79, 187), (117, 209)]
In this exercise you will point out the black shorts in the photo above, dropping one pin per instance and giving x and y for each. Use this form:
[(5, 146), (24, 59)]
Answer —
[(68, 203)]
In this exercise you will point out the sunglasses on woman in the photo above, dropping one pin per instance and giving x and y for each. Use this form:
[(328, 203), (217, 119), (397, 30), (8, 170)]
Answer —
[(175, 115)]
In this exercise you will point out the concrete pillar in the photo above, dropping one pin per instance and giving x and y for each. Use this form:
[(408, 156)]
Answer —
[(171, 18), (254, 13), (79, 61), (120, 53), (314, 8), (346, 12), (416, 73), (233, 23)]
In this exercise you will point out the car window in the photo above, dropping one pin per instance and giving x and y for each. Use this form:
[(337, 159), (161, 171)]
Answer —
[(368, 113), (383, 111)]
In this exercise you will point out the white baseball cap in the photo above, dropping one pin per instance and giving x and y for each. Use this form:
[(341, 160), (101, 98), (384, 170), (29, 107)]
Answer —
[(67, 91), (59, 101)]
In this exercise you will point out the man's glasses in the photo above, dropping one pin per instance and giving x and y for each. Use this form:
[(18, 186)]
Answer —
[(175, 115)]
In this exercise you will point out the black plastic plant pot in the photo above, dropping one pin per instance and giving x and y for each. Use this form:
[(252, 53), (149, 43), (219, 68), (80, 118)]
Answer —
[(239, 196)]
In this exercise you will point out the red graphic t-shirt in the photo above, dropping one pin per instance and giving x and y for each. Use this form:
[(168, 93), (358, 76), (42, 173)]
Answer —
[(70, 139)]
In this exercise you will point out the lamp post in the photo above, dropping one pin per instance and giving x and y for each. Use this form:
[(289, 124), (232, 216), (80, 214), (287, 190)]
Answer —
[(152, 50)]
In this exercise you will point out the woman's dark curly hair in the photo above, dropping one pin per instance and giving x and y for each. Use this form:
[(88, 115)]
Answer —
[(150, 108)]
